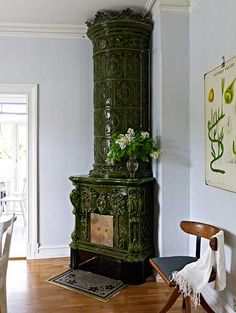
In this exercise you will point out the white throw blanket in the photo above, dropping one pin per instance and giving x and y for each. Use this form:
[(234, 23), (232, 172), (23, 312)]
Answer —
[(194, 276)]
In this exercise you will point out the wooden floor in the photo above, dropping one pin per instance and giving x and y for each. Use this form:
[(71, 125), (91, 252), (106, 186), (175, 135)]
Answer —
[(29, 293)]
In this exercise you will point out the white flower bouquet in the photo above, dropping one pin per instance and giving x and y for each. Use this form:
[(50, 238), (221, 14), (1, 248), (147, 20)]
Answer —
[(133, 144)]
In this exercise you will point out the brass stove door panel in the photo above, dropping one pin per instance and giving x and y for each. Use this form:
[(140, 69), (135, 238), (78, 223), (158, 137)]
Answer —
[(101, 229)]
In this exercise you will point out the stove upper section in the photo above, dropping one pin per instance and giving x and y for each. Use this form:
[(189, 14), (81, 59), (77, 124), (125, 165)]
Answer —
[(121, 83)]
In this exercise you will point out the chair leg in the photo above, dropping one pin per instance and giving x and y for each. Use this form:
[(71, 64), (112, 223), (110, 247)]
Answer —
[(171, 300), (6, 207), (23, 212), (187, 302), (205, 305), (183, 303), (3, 300)]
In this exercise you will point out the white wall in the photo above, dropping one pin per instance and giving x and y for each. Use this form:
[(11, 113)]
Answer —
[(170, 102), (212, 34), (63, 70)]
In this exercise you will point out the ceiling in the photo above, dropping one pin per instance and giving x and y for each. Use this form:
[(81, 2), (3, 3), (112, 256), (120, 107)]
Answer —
[(64, 12)]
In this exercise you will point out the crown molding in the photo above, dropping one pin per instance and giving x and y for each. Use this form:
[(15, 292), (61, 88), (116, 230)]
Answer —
[(194, 4), (178, 5), (175, 5), (151, 6), (155, 6), (43, 30)]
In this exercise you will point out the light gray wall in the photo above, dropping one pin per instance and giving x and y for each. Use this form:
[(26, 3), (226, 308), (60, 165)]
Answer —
[(213, 26), (185, 47), (63, 70), (156, 98), (170, 101)]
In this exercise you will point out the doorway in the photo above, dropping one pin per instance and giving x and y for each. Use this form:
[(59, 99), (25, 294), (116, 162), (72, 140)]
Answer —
[(18, 165), (13, 166)]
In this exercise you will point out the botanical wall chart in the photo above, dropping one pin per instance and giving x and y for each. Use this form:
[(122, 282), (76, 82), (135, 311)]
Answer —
[(220, 126)]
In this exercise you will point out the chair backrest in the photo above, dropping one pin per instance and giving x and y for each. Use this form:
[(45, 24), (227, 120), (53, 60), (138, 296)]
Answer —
[(22, 194), (201, 230), (6, 227)]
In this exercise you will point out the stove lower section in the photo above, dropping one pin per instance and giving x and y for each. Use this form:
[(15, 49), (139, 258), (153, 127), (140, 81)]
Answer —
[(114, 222), (130, 273)]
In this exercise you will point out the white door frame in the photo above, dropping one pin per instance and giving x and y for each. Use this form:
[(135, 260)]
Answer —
[(31, 90)]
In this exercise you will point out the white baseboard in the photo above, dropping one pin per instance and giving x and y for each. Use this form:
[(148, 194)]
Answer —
[(32, 250), (216, 302), (45, 252)]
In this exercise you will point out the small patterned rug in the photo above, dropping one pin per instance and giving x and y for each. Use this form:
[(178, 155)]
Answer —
[(94, 285)]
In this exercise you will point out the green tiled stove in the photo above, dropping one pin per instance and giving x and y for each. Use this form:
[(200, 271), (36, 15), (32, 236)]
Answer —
[(113, 231)]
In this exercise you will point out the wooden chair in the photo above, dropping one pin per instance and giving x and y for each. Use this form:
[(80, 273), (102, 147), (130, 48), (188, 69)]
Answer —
[(165, 266), (9, 203), (6, 227)]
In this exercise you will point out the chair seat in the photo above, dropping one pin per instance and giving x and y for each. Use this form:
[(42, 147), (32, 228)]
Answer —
[(12, 198), (167, 265)]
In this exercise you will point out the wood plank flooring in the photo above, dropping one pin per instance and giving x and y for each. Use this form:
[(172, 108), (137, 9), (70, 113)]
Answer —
[(29, 293)]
